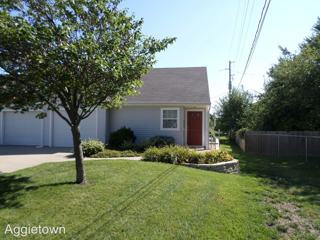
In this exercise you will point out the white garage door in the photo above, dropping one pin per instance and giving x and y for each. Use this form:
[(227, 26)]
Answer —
[(21, 129), (62, 136), (61, 132), (26, 129)]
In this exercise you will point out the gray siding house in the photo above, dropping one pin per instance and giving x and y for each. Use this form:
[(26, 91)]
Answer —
[(172, 102)]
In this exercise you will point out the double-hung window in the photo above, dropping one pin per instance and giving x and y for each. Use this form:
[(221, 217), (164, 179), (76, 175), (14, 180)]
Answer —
[(169, 118)]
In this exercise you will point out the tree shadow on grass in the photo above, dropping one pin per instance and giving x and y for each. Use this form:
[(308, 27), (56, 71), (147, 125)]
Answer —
[(35, 187), (11, 187), (14, 186)]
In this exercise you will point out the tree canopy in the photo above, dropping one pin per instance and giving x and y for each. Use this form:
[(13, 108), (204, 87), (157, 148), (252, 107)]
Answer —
[(292, 96), (71, 56), (232, 110)]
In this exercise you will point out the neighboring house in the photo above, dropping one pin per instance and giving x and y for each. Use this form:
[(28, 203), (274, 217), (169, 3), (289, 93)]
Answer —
[(173, 102)]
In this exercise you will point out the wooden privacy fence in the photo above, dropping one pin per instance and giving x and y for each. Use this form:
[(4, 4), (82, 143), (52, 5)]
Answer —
[(293, 144)]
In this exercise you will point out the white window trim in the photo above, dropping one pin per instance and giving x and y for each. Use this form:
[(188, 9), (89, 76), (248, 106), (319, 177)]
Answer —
[(178, 119)]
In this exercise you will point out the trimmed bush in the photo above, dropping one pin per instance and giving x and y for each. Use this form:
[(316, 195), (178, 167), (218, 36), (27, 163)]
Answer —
[(217, 156), (168, 154), (209, 157), (242, 132), (156, 141), (161, 141), (178, 154), (195, 157), (123, 139), (107, 153), (92, 146)]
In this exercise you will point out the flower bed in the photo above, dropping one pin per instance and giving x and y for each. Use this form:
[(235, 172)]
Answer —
[(179, 154), (216, 160)]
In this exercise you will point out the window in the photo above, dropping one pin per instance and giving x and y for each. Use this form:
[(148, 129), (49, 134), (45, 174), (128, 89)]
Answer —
[(170, 119)]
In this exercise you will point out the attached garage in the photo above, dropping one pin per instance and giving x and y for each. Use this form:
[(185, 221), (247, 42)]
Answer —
[(26, 129), (61, 133), (21, 129), (172, 102)]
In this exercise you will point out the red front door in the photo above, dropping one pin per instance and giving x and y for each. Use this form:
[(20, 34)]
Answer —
[(194, 128)]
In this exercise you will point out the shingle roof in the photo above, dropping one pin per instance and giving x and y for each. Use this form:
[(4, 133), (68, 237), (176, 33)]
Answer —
[(174, 85)]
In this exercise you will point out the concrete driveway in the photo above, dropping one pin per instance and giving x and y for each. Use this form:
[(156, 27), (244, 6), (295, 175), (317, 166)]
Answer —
[(13, 158)]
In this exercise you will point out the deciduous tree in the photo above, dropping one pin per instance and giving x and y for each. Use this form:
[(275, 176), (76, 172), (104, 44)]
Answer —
[(232, 110), (71, 56), (292, 96)]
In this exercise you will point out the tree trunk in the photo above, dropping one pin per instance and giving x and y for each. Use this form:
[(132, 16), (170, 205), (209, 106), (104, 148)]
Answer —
[(81, 175)]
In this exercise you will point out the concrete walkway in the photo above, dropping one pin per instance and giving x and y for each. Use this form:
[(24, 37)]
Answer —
[(13, 158)]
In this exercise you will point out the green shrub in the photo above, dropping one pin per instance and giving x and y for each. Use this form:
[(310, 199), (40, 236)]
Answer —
[(123, 138), (156, 141), (127, 145), (242, 132), (178, 154), (168, 154), (224, 156), (210, 157), (141, 146), (91, 146), (196, 157), (217, 156), (161, 141), (108, 153), (152, 154)]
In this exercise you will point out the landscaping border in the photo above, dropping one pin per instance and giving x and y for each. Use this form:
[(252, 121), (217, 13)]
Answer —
[(225, 167)]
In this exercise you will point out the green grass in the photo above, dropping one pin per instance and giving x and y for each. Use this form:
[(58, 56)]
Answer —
[(135, 200), (288, 181), (145, 200), (297, 171)]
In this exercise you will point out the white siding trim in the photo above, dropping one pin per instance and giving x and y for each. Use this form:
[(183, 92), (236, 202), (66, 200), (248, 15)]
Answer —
[(206, 130), (178, 119), (190, 105), (50, 128), (97, 123), (42, 133), (203, 123), (13, 110), (1, 127)]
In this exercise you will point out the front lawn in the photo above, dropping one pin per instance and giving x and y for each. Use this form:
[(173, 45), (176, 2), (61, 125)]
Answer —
[(135, 200), (146, 200)]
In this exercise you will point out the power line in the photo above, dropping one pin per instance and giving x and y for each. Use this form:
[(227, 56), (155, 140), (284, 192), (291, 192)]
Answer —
[(242, 28), (234, 28), (247, 30), (256, 37)]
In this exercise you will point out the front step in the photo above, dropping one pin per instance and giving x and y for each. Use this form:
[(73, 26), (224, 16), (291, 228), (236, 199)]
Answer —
[(197, 148)]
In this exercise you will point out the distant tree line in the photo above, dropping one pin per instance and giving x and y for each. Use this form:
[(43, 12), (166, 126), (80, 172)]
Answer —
[(291, 98)]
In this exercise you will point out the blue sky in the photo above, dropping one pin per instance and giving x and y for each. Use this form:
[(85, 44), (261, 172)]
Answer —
[(204, 31)]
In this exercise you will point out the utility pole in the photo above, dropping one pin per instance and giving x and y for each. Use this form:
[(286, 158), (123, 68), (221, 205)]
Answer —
[(230, 77), (230, 83)]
